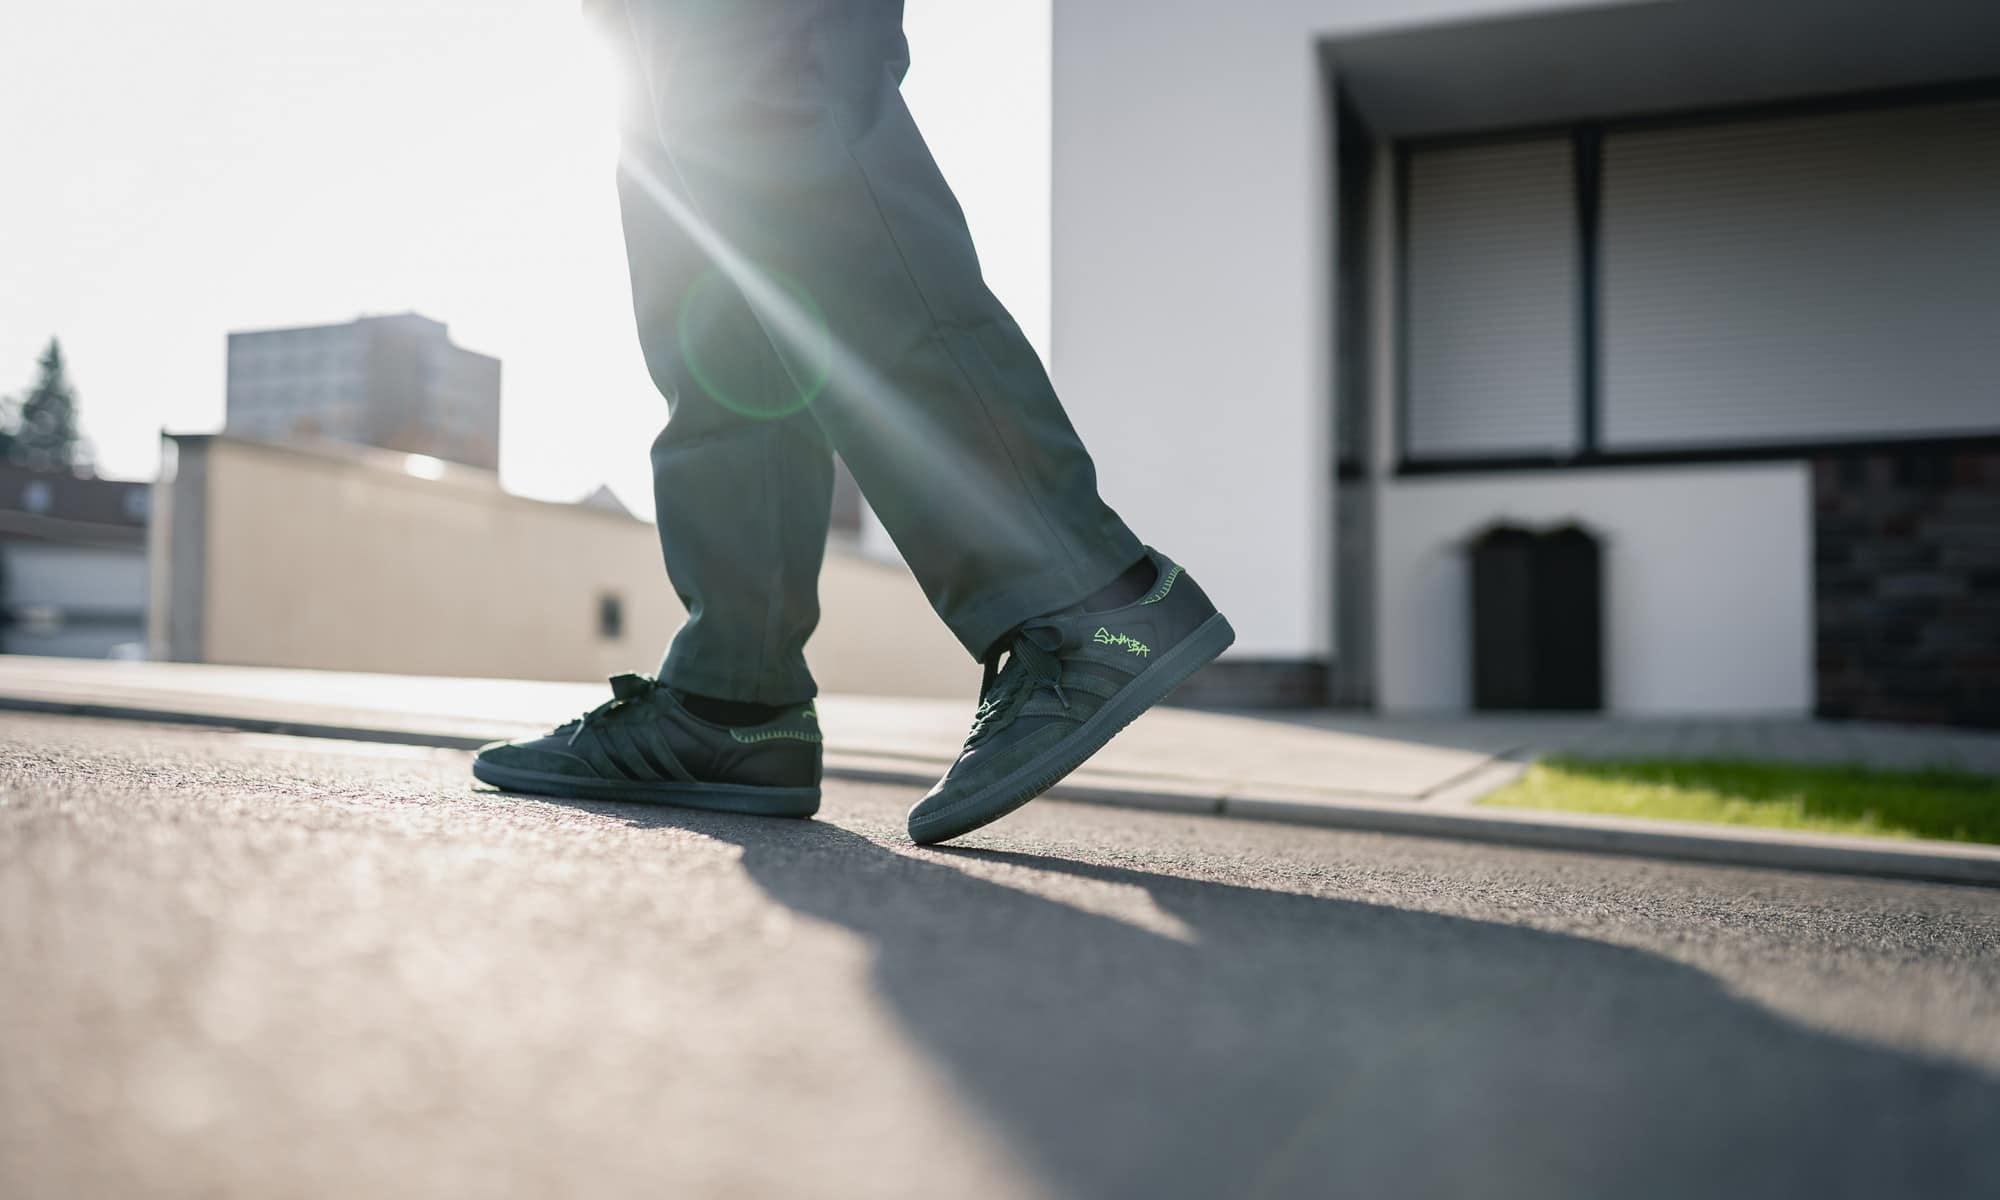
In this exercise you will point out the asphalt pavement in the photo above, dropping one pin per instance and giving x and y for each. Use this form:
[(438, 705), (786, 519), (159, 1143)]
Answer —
[(249, 965)]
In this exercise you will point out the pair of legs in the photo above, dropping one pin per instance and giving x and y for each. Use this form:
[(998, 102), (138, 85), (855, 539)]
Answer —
[(804, 283)]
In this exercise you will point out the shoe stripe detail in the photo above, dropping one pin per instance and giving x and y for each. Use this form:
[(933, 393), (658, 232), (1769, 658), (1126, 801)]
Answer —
[(616, 746), (1045, 704), (1090, 685), (662, 760), (592, 751), (1076, 670)]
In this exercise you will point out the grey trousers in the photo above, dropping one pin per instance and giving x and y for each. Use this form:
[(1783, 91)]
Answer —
[(804, 283)]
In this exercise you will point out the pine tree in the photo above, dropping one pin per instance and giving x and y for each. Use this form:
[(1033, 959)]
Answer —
[(45, 434)]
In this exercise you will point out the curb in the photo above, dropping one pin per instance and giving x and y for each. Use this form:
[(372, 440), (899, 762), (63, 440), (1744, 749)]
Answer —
[(240, 724), (1728, 845), (1447, 815)]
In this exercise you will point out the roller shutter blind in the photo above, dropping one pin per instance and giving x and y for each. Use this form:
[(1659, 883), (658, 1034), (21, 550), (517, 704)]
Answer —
[(1491, 273), (1825, 277)]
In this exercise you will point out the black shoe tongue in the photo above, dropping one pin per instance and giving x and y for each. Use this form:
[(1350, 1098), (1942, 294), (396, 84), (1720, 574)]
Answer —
[(629, 686)]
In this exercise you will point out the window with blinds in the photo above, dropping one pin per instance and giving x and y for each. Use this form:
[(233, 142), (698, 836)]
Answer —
[(1801, 279), (1491, 279)]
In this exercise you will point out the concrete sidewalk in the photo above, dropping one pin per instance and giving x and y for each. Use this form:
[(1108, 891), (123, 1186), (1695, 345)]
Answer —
[(1401, 775)]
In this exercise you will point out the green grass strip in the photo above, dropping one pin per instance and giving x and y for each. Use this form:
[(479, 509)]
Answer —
[(1951, 805)]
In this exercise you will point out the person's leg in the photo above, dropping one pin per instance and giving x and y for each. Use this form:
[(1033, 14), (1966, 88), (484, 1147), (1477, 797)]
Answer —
[(743, 483), (793, 163), (742, 477)]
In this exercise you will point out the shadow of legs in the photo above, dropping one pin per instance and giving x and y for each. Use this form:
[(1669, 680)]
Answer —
[(1298, 1045)]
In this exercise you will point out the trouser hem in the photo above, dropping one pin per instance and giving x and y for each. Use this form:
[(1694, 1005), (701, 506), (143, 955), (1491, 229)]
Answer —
[(791, 687), (977, 625), (985, 620)]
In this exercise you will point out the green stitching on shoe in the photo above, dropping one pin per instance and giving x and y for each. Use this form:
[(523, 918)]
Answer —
[(768, 735), (811, 713), (1166, 585), (1105, 637)]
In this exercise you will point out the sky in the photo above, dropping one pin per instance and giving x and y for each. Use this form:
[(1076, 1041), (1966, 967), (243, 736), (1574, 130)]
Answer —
[(177, 171)]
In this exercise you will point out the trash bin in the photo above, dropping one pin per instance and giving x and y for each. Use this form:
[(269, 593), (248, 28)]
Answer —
[(1537, 619)]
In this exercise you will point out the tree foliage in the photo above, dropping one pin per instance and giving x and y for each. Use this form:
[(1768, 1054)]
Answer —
[(39, 429)]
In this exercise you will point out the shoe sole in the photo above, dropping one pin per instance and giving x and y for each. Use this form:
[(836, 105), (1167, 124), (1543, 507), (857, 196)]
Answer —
[(1039, 774), (715, 797)]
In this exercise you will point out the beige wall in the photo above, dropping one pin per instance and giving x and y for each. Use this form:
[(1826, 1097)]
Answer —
[(877, 634), (341, 559)]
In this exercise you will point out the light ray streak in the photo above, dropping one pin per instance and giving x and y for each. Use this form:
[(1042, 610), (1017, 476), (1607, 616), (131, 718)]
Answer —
[(890, 418)]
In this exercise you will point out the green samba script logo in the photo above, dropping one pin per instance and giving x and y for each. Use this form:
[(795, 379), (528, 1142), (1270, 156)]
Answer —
[(1104, 637)]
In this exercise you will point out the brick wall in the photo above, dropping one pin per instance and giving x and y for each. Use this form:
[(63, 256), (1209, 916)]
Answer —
[(1906, 553)]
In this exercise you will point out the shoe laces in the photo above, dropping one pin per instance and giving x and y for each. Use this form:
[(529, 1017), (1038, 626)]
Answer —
[(1033, 662), (626, 690)]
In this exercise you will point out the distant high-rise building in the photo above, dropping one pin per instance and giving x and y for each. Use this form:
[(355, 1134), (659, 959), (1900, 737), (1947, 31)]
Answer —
[(392, 381)]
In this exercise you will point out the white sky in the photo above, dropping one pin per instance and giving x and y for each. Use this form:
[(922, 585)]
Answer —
[(176, 171)]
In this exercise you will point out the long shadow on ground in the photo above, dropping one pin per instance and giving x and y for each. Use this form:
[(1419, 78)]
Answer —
[(1303, 1046)]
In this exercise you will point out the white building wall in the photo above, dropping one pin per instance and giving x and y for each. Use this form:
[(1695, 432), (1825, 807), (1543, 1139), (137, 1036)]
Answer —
[(1707, 576), (43, 575), (74, 601), (1192, 278)]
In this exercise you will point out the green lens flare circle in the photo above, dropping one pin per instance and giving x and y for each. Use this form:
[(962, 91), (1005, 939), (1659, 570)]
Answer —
[(764, 366)]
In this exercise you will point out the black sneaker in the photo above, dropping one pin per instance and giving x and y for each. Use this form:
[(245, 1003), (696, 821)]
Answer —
[(643, 745), (1072, 681)]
